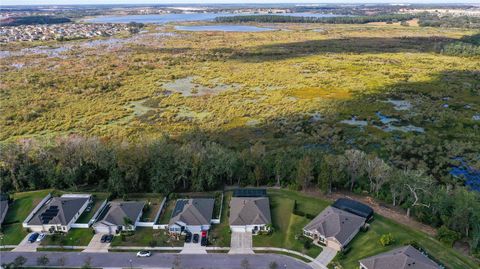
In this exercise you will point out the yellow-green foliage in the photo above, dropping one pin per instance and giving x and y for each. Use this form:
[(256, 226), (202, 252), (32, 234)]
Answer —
[(278, 74)]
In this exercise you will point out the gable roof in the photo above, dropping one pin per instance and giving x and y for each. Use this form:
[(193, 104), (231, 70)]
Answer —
[(406, 257), (58, 210), (354, 207), (335, 223), (249, 211), (116, 212), (194, 212)]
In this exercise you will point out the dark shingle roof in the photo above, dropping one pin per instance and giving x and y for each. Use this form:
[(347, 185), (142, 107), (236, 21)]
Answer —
[(116, 212), (197, 211), (58, 211), (336, 223), (401, 258), (249, 211)]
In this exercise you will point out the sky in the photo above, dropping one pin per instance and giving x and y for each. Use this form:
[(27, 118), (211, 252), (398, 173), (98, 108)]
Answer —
[(70, 2)]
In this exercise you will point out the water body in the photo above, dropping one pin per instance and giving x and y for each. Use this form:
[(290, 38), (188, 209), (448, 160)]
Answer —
[(166, 18), (223, 28), (471, 176)]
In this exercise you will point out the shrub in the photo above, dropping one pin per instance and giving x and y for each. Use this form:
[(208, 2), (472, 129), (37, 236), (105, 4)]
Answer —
[(447, 236), (386, 239)]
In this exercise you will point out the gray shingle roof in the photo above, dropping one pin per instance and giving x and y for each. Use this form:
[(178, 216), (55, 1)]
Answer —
[(249, 211), (118, 211), (336, 223), (401, 258), (67, 207), (194, 212)]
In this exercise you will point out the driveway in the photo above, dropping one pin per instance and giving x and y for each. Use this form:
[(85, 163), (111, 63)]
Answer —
[(241, 243), (95, 245), (26, 246), (157, 260), (324, 258), (194, 248)]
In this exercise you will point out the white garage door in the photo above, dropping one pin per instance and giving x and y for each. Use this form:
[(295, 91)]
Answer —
[(239, 229)]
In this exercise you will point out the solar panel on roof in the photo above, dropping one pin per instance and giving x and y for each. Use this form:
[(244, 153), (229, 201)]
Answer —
[(250, 193), (179, 205)]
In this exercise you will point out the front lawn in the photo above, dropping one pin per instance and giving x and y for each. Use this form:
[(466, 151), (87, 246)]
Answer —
[(219, 234), (288, 227), (18, 211), (74, 237), (147, 237), (366, 244), (167, 212)]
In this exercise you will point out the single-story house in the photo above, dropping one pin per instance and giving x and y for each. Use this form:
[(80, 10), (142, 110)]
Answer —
[(406, 257), (334, 227), (193, 215), (354, 207), (3, 207), (251, 214), (57, 214), (119, 216)]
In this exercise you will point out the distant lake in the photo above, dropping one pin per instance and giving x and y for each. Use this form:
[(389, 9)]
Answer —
[(224, 28), (166, 18)]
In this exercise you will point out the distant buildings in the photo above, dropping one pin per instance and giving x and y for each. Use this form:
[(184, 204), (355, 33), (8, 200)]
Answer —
[(63, 31)]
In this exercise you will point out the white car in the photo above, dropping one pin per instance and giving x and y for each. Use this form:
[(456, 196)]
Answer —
[(144, 253), (40, 237)]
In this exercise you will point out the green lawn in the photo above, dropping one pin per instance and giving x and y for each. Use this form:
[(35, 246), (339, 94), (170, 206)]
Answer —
[(167, 213), (143, 238), (366, 244), (220, 233), (98, 199), (75, 237), (18, 211), (287, 225)]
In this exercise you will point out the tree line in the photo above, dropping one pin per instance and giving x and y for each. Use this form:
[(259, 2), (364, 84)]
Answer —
[(198, 164), (30, 20), (329, 20)]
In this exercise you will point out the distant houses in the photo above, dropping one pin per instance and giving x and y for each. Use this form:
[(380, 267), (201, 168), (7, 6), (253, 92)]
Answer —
[(406, 257), (192, 215), (57, 214), (118, 217), (250, 211), (335, 227)]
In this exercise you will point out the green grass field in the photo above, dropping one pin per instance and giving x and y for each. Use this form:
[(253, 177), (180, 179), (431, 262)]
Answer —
[(98, 199), (220, 233), (287, 225), (22, 205), (74, 237)]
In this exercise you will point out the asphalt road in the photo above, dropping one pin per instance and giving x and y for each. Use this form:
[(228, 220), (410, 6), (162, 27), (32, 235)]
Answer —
[(157, 260)]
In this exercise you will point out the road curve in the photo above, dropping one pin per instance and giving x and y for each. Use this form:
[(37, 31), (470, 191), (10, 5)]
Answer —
[(157, 260)]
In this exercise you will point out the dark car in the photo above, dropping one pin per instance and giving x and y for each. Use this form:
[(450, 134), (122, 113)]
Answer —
[(109, 238), (103, 239), (188, 238), (195, 238), (33, 237), (204, 241)]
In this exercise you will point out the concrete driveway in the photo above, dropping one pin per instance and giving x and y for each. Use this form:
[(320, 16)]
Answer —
[(241, 243), (96, 246), (26, 246), (194, 248), (324, 258)]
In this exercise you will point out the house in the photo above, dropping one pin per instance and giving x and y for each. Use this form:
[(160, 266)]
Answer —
[(334, 227), (250, 214), (3, 207), (406, 257), (119, 216), (193, 215), (57, 214)]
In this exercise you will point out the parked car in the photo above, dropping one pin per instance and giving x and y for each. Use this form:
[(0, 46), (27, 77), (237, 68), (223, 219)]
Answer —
[(33, 237), (103, 239), (144, 253), (188, 238), (40, 237), (109, 238), (204, 241), (195, 238)]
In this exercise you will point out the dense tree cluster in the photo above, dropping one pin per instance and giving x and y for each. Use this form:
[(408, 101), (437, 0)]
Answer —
[(433, 20), (467, 46), (330, 20), (29, 20), (198, 164)]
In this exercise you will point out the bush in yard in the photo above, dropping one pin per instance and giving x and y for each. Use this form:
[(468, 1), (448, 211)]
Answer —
[(307, 244), (447, 236), (152, 243), (386, 239)]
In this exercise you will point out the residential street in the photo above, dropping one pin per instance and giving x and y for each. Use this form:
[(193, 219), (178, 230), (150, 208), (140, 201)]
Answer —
[(157, 260)]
